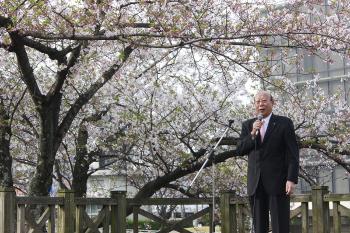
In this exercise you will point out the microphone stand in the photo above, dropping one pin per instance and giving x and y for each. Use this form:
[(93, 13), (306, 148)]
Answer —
[(212, 155)]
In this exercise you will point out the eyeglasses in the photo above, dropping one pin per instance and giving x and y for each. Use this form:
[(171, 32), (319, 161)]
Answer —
[(257, 102)]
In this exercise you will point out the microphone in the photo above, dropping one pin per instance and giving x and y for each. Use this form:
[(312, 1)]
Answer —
[(260, 117)]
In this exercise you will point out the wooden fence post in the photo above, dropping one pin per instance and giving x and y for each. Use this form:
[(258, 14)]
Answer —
[(305, 217), (79, 218), (240, 217), (320, 210), (66, 212), (211, 217), (7, 210), (228, 213), (118, 213), (136, 219), (336, 217)]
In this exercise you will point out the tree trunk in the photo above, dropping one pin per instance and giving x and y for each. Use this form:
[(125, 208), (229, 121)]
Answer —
[(82, 163), (42, 180), (48, 107), (5, 158)]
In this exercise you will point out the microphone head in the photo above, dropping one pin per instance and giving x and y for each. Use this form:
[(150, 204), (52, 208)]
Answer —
[(260, 116)]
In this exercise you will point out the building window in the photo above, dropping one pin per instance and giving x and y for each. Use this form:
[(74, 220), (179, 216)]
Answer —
[(309, 67), (341, 180)]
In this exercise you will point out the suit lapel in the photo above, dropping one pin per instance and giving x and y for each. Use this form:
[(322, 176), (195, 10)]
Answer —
[(270, 127)]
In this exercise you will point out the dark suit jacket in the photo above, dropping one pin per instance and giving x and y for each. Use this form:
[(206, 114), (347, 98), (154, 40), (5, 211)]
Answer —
[(275, 160)]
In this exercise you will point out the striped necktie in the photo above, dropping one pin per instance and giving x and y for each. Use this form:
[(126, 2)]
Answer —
[(262, 131)]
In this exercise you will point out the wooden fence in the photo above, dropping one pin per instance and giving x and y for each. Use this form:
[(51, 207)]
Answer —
[(67, 214)]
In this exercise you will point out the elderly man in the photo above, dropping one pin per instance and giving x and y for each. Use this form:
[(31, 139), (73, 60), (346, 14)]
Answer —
[(273, 164)]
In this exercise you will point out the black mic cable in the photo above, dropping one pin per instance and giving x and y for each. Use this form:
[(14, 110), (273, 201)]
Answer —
[(259, 117)]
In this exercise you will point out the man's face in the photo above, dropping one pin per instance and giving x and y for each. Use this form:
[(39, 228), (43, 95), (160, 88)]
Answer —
[(263, 104)]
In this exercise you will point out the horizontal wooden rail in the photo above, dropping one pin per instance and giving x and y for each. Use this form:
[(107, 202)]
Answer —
[(301, 198), (67, 214), (39, 200), (336, 197), (171, 201), (95, 201)]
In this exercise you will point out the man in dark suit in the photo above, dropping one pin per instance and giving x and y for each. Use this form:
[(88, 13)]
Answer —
[(273, 164)]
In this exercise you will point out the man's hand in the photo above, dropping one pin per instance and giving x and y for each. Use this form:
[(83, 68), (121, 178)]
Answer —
[(256, 127), (290, 187)]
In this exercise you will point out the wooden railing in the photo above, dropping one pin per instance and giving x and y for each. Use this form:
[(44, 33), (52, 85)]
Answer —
[(67, 214), (235, 215), (168, 226)]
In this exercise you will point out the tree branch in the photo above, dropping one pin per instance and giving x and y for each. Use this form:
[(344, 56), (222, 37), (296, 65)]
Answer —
[(5, 22), (30, 124), (321, 147), (305, 176), (85, 97), (153, 186), (60, 177), (181, 190), (54, 54), (17, 105), (25, 68), (186, 39), (61, 75)]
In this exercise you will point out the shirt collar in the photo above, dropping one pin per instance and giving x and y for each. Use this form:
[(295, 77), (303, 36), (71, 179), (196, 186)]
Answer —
[(267, 119)]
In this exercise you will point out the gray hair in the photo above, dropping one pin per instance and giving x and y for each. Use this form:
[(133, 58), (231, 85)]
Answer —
[(266, 93)]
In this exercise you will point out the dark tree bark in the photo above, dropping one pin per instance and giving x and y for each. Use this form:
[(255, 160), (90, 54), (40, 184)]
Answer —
[(42, 180), (5, 157), (83, 159), (48, 106), (82, 163)]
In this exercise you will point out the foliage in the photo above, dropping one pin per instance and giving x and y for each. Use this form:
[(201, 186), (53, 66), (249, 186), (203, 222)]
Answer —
[(144, 225), (149, 84)]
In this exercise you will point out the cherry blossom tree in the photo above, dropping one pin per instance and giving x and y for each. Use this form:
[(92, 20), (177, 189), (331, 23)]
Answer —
[(12, 93)]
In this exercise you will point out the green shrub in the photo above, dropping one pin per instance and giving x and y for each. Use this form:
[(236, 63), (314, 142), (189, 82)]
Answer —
[(144, 225)]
